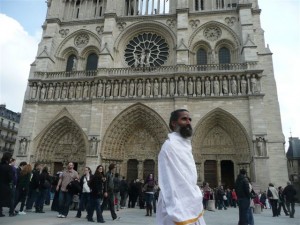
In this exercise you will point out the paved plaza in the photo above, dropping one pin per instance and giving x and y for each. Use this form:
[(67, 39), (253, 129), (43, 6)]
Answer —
[(137, 217)]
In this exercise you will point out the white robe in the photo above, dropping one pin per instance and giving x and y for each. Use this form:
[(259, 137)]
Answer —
[(180, 198)]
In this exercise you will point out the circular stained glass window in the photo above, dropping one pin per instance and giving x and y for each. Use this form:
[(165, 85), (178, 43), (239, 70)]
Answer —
[(146, 50)]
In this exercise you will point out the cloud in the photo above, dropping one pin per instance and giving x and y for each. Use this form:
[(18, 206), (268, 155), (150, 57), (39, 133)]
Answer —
[(17, 51)]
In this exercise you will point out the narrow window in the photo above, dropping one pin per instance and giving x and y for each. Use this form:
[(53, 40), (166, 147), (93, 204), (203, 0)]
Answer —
[(92, 62), (224, 55), (71, 63), (201, 57)]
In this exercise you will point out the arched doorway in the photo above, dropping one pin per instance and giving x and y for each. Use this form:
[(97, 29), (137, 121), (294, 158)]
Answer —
[(132, 169), (227, 174)]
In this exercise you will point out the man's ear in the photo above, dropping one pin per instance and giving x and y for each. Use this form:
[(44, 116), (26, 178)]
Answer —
[(173, 124)]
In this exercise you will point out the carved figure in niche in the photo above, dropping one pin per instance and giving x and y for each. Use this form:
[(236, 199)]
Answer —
[(108, 89), (116, 88), (71, 91), (147, 64), (198, 86), (148, 88), (131, 88), (23, 146), (164, 87), (100, 89), (136, 59), (243, 85), (139, 88), (180, 86), (33, 91), (260, 146), (93, 90), (172, 87), (43, 92), (225, 86), (190, 87), (233, 86), (253, 84), (50, 91), (57, 91), (155, 88), (143, 56), (216, 86), (124, 88), (78, 90), (64, 91), (86, 90), (207, 86), (93, 146), (74, 66)]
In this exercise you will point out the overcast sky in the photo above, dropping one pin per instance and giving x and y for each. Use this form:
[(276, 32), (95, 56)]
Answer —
[(21, 21)]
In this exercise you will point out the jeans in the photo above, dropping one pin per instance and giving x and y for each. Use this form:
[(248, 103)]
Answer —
[(109, 201), (39, 203), (291, 207), (244, 205), (65, 200), (84, 203), (32, 195), (118, 197), (250, 216), (95, 204), (274, 203)]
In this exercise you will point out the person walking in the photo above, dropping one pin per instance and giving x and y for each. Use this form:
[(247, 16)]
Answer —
[(180, 198), (85, 195), (117, 196), (243, 193), (289, 192), (44, 185), (149, 193), (65, 197), (123, 192), (6, 182), (273, 197), (281, 202)]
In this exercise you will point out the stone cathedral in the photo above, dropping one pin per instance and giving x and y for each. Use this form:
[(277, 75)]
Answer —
[(108, 73)]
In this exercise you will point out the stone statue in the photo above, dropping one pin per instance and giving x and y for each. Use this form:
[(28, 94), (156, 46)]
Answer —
[(123, 88), (43, 92), (139, 88), (253, 84), (71, 91), (180, 86), (93, 147), (172, 87), (93, 90), (148, 88), (116, 88), (233, 86), (225, 86), (143, 55), (131, 88), (155, 88), (260, 146), (216, 87), (108, 89), (147, 64), (33, 92), (86, 90), (164, 87), (243, 85), (207, 86), (136, 60), (64, 91), (190, 87), (100, 89), (74, 65), (23, 145), (79, 91), (57, 91), (50, 92), (198, 86)]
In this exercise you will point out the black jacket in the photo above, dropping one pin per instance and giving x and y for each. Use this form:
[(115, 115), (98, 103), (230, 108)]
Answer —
[(242, 187), (290, 193), (96, 185), (6, 182)]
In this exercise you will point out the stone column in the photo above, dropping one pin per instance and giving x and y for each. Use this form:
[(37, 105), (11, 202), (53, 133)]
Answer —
[(219, 171), (140, 169)]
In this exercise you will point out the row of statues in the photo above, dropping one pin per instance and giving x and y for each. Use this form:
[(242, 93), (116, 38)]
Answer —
[(155, 87)]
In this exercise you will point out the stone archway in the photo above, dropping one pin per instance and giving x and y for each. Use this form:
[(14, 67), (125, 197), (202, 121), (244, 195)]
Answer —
[(63, 141), (220, 137), (137, 133)]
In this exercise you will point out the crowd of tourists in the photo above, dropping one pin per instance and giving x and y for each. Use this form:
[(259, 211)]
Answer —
[(25, 189)]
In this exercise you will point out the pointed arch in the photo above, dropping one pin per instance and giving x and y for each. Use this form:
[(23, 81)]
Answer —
[(61, 140), (220, 133), (135, 125)]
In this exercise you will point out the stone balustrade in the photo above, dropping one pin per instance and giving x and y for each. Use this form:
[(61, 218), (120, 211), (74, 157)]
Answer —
[(148, 85)]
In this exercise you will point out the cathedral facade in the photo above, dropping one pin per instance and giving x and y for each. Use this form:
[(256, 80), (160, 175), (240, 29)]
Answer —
[(108, 73)]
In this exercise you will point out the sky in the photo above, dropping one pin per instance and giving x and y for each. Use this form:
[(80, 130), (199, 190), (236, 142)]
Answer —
[(21, 21)]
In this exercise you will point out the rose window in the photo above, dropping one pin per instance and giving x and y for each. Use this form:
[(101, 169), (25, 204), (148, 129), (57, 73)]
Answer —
[(146, 50)]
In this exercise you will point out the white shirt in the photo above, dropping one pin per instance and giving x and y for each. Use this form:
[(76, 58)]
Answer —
[(180, 198)]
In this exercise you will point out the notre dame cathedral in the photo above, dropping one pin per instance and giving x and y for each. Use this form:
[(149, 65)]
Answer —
[(108, 73)]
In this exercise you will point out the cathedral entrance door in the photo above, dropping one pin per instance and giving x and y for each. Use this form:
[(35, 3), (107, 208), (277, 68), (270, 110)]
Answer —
[(58, 166), (132, 170), (227, 174), (210, 173), (149, 167)]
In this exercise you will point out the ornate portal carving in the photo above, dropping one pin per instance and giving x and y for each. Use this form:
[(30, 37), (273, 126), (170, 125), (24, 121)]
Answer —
[(212, 33)]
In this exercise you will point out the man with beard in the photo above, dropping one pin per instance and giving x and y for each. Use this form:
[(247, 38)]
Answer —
[(180, 198)]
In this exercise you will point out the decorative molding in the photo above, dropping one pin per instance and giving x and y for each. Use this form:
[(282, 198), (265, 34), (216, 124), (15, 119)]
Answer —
[(64, 32), (194, 23), (81, 40), (212, 33)]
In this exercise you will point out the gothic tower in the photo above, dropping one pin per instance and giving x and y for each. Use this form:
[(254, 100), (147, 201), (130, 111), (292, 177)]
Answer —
[(108, 73)]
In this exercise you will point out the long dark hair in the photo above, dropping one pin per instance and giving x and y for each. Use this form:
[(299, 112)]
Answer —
[(98, 173)]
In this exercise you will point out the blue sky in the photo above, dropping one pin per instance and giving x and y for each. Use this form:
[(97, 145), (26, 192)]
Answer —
[(21, 21)]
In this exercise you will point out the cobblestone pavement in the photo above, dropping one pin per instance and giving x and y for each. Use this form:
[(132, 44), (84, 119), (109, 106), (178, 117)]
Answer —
[(137, 217)]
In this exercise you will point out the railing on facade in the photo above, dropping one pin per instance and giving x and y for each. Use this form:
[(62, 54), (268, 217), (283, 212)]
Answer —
[(159, 82), (199, 69), (211, 5), (8, 126), (7, 138)]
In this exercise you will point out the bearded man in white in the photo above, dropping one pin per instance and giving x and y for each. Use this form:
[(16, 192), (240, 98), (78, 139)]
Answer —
[(180, 198)]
